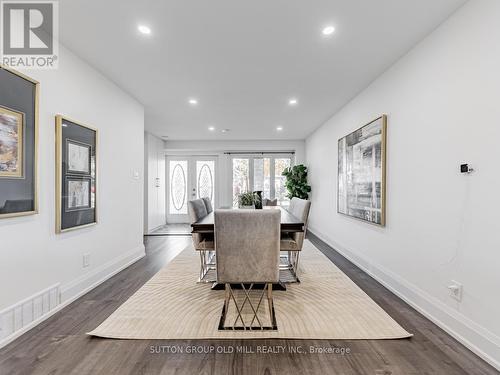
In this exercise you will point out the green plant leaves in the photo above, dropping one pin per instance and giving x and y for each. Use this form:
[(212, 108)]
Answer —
[(296, 181), (247, 199)]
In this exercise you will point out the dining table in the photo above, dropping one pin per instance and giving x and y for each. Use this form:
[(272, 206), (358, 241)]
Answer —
[(289, 223)]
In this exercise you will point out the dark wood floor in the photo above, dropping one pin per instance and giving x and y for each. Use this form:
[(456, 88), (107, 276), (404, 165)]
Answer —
[(60, 346)]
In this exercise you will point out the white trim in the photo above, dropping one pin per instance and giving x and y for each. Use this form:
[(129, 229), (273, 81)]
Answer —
[(79, 287), (152, 230), (476, 338), (88, 281)]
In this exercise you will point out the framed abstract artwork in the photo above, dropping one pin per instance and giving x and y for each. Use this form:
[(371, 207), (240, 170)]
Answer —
[(76, 175), (362, 172), (18, 144)]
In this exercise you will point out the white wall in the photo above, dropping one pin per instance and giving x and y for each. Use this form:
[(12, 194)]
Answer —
[(442, 101), (32, 256), (154, 182), (218, 149)]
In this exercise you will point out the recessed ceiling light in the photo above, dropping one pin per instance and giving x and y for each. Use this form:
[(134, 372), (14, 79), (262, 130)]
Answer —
[(143, 29), (279, 128), (328, 30), (293, 101), (211, 128), (193, 101), (225, 130)]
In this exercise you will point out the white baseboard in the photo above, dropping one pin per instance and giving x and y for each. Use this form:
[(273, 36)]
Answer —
[(476, 338), (149, 231), (78, 287), (75, 289)]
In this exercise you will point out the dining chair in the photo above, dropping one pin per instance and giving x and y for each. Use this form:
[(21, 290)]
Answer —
[(269, 202), (247, 248), (202, 242), (208, 204), (291, 243)]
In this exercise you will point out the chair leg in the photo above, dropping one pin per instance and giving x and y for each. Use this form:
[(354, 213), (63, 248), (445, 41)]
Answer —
[(227, 296), (270, 303), (296, 262), (202, 265), (291, 266), (207, 263)]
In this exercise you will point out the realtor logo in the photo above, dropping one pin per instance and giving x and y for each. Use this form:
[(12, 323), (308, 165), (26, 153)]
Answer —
[(29, 34)]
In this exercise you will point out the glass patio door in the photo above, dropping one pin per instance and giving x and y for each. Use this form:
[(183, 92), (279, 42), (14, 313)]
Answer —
[(188, 178), (260, 172)]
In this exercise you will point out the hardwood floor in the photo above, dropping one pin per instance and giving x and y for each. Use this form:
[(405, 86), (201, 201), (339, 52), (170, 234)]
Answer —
[(60, 346)]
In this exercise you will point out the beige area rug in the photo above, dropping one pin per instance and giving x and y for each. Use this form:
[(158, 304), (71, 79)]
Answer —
[(325, 305)]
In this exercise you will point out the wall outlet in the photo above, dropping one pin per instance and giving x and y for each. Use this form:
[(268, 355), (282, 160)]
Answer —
[(456, 290), (86, 260)]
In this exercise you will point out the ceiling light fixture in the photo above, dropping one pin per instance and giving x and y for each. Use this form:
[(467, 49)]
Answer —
[(225, 130), (193, 101), (328, 30), (211, 128), (279, 128), (143, 29), (293, 101)]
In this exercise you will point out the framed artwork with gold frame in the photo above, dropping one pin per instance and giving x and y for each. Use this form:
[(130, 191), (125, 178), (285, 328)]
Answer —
[(18, 144), (362, 172), (76, 175)]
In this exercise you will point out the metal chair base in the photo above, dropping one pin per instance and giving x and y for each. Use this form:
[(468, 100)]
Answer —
[(207, 266), (289, 266), (240, 323)]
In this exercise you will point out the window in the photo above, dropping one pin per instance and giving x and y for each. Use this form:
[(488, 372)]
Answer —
[(178, 187), (205, 179), (260, 173), (279, 180), (241, 178), (262, 176)]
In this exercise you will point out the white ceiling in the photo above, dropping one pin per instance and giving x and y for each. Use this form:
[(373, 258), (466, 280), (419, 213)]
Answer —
[(243, 60)]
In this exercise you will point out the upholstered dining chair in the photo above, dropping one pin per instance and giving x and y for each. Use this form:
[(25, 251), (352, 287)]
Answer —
[(291, 243), (208, 204), (247, 249), (269, 202), (203, 243)]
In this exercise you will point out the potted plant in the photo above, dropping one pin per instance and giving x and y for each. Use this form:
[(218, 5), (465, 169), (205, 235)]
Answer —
[(296, 182), (246, 200)]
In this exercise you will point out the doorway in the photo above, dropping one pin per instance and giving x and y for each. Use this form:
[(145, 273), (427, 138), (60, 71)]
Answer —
[(188, 178)]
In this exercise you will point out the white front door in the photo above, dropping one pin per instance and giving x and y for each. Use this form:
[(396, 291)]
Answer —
[(189, 178)]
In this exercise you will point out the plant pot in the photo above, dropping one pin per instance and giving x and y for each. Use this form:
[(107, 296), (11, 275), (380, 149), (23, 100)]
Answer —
[(258, 199), (247, 207)]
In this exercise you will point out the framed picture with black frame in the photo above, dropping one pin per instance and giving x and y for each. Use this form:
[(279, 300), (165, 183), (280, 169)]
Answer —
[(18, 144), (76, 175)]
